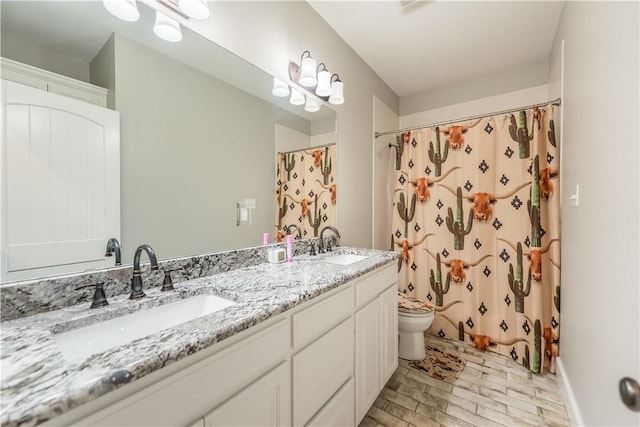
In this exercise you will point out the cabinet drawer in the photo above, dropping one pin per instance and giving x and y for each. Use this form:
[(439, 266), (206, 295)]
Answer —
[(314, 321), (178, 399), (370, 286), (340, 409), (320, 369)]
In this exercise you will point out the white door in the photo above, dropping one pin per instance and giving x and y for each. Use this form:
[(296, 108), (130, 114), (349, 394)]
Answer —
[(60, 193)]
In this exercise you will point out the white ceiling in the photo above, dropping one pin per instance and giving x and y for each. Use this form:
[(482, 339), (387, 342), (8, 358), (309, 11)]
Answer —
[(438, 43)]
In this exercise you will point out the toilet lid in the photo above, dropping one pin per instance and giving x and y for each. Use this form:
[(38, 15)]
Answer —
[(411, 305)]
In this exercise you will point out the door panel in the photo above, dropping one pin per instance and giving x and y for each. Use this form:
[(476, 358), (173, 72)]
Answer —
[(61, 175)]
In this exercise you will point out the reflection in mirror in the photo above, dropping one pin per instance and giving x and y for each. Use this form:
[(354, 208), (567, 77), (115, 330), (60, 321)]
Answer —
[(196, 122), (306, 189)]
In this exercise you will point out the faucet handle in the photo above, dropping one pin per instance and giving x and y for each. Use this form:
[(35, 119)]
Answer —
[(99, 298), (167, 283), (336, 241)]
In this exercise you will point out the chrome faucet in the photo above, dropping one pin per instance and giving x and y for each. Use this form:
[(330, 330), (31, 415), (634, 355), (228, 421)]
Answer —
[(331, 228), (113, 246), (136, 280), (287, 230)]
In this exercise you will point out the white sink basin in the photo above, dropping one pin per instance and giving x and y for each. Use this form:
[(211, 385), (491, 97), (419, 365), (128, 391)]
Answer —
[(345, 259), (83, 342)]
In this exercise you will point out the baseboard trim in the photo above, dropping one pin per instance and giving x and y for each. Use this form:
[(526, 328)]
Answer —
[(567, 395)]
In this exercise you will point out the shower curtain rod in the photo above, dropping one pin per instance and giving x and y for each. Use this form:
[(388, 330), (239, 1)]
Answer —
[(307, 148), (479, 116)]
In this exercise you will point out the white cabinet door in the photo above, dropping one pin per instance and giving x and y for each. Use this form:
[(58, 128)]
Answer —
[(388, 333), (266, 402), (367, 364), (60, 196), (320, 370)]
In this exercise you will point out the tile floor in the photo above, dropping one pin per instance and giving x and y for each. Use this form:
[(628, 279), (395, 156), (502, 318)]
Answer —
[(491, 390)]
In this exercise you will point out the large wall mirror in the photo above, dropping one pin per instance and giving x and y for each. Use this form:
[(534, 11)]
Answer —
[(199, 126)]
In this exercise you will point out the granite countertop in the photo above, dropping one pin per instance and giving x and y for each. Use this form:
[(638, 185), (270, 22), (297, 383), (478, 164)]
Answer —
[(38, 383)]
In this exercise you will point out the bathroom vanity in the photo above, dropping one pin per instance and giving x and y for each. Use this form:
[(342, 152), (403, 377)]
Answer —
[(306, 343)]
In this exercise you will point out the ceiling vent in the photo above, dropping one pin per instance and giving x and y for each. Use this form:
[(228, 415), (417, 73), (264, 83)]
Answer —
[(407, 6)]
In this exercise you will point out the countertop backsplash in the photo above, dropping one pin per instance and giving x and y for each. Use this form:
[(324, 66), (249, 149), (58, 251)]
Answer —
[(26, 298)]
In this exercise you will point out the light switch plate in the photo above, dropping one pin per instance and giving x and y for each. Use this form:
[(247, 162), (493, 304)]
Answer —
[(574, 199), (243, 214)]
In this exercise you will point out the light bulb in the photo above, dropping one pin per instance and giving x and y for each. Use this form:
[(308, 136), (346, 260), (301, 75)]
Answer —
[(297, 98), (166, 28), (308, 72), (280, 88), (337, 93), (123, 9), (311, 105), (324, 83)]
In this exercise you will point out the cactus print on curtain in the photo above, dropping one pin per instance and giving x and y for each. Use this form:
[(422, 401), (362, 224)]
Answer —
[(477, 221), (306, 191)]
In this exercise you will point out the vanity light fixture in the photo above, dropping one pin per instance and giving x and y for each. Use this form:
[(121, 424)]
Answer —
[(280, 88), (127, 10), (316, 80), (297, 98), (312, 105), (196, 9), (337, 90), (166, 28)]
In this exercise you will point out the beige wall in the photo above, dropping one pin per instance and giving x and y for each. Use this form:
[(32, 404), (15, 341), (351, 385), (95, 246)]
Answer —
[(103, 70), (600, 336), (288, 139), (504, 101), (28, 53), (503, 81), (285, 29)]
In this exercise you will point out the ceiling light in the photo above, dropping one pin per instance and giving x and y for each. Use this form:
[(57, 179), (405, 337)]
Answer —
[(307, 70), (166, 28), (324, 81), (297, 98), (312, 105), (280, 88), (337, 90), (196, 9), (123, 9)]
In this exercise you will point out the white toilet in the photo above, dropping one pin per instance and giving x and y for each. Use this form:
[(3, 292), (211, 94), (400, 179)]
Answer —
[(414, 317)]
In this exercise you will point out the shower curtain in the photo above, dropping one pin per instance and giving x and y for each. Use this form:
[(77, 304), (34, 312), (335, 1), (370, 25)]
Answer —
[(477, 221), (306, 191)]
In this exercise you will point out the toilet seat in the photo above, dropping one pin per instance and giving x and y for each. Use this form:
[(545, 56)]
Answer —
[(421, 314)]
